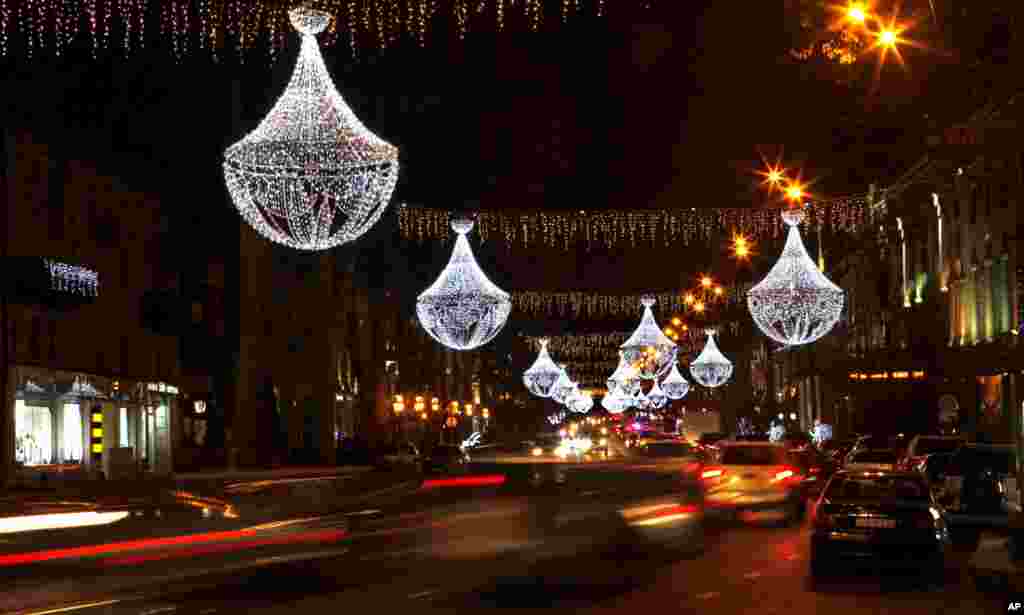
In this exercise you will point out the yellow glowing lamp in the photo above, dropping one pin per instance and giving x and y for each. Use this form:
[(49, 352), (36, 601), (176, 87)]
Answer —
[(699, 306), (856, 12), (485, 412), (795, 192), (97, 448), (887, 38), (706, 282), (97, 432), (97, 417), (688, 299), (676, 321), (718, 291)]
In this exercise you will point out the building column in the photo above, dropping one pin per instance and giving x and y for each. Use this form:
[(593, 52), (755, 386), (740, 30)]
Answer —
[(57, 416)]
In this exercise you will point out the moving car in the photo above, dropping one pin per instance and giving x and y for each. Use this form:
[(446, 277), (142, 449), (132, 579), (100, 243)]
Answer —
[(756, 478), (922, 446), (872, 461), (445, 458), (405, 454), (815, 467), (888, 517), (681, 455)]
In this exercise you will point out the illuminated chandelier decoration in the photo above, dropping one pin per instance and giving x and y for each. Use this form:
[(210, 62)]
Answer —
[(795, 303), (563, 387), (625, 377), (543, 374), (311, 176), (711, 368), (580, 402), (615, 402), (656, 397), (648, 349), (640, 401), (556, 418), (463, 309), (674, 385)]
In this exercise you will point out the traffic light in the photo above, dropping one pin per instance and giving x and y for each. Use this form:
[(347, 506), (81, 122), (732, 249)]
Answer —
[(96, 434)]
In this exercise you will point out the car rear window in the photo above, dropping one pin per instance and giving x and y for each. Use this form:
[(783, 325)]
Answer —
[(874, 457), (906, 488), (668, 449), (754, 456), (927, 446)]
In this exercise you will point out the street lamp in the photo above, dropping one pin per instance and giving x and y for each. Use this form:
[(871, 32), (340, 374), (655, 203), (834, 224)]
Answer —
[(486, 413), (420, 404), (856, 13)]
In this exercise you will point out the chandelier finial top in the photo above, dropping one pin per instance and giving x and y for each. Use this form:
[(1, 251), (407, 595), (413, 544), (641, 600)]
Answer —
[(462, 225), (647, 300), (793, 216), (308, 20), (710, 332)]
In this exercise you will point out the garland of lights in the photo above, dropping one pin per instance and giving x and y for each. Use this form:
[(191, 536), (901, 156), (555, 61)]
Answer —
[(311, 176), (795, 303), (72, 278), (596, 348), (596, 305), (214, 26), (664, 228), (463, 309)]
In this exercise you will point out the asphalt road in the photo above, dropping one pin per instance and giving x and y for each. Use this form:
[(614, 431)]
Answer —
[(744, 569)]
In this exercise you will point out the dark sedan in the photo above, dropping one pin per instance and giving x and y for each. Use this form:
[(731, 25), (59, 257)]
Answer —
[(885, 517), (445, 459)]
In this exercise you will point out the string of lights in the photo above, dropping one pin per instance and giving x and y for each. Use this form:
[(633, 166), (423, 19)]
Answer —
[(634, 228), (29, 27)]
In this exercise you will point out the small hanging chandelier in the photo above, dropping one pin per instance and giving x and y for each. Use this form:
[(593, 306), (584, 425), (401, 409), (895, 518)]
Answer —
[(656, 397), (543, 374), (311, 176), (795, 303), (563, 387), (463, 309), (615, 402), (648, 349), (674, 385), (625, 377), (711, 368)]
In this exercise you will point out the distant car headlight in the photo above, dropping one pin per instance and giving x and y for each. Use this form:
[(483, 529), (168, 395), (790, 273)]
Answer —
[(537, 451), (604, 441)]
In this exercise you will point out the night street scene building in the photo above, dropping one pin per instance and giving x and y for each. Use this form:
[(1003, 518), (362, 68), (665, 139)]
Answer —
[(443, 305)]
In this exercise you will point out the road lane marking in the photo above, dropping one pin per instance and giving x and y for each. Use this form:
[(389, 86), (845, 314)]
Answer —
[(752, 575), (708, 595)]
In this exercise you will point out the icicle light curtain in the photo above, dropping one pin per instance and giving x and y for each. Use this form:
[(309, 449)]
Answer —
[(591, 305), (565, 229), (214, 27)]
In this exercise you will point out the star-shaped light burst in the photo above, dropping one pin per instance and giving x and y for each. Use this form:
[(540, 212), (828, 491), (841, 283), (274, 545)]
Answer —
[(648, 349), (543, 374), (311, 176), (463, 309), (674, 385), (711, 368), (795, 303)]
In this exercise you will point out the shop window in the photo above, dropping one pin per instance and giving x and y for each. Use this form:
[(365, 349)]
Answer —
[(72, 433), (33, 434)]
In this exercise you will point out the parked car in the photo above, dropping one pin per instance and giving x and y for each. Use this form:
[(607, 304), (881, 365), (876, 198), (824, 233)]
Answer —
[(981, 485), (871, 461), (445, 459), (890, 517), (922, 446), (754, 477)]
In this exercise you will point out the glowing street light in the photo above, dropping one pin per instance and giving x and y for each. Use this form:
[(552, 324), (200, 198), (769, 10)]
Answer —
[(676, 321), (888, 38), (795, 192), (718, 291), (856, 13), (699, 307), (706, 282)]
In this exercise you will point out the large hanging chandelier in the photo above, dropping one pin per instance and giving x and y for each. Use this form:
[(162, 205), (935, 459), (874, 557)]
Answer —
[(543, 374), (648, 349), (795, 303), (311, 176), (674, 385), (711, 368), (463, 309)]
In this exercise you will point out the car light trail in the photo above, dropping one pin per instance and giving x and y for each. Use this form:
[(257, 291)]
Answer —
[(56, 521)]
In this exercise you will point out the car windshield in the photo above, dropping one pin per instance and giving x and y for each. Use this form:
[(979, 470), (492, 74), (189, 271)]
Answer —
[(856, 487), (754, 456), (874, 457), (927, 446), (668, 449)]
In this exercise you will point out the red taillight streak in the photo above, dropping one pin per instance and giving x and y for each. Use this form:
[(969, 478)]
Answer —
[(464, 481), (320, 536), (674, 510), (120, 547)]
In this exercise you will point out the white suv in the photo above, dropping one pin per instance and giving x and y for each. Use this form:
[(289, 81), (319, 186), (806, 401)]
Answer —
[(753, 478)]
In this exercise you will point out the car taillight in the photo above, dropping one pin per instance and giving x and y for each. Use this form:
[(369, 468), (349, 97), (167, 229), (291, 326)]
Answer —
[(787, 475)]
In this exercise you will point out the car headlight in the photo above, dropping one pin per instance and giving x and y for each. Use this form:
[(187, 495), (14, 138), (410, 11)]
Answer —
[(537, 451)]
